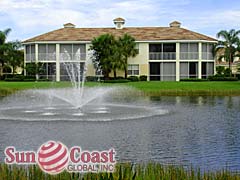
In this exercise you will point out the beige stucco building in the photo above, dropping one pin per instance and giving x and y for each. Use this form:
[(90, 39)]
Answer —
[(165, 53)]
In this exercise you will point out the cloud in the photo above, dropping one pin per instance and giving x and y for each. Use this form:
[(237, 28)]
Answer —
[(31, 17)]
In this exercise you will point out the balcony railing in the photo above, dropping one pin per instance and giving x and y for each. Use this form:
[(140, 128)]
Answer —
[(207, 56), (30, 57), (47, 56), (162, 55), (72, 56), (189, 55)]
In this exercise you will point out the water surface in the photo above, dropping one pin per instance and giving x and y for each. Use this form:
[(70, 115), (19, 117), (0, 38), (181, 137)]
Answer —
[(199, 131)]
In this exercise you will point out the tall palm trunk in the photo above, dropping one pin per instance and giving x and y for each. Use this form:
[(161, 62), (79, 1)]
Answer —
[(115, 73), (126, 73), (1, 70), (229, 64)]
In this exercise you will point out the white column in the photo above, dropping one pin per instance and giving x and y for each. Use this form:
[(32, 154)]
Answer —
[(36, 58), (200, 60), (25, 59), (177, 62), (57, 62)]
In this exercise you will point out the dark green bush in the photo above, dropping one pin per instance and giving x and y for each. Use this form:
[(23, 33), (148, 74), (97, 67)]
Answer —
[(143, 78), (13, 79), (194, 80), (220, 70), (92, 78), (18, 78), (222, 78), (116, 81), (133, 78), (119, 77), (227, 72), (38, 80)]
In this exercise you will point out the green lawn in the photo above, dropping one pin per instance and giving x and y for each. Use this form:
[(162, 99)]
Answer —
[(147, 88)]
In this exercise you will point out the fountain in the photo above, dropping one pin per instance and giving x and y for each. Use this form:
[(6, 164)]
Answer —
[(77, 103)]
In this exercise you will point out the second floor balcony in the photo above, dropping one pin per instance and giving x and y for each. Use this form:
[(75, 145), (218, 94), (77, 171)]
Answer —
[(162, 56), (189, 55), (72, 56), (30, 57), (47, 56)]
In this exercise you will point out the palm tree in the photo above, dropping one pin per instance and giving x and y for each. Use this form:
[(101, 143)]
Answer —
[(15, 57), (4, 47), (127, 49), (228, 42), (104, 48)]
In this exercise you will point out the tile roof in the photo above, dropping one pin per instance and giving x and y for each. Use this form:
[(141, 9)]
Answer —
[(119, 19), (139, 33)]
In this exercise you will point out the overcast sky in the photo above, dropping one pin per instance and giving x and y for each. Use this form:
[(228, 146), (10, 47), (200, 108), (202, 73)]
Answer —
[(28, 18)]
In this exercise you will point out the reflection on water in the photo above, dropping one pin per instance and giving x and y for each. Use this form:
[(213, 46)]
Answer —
[(199, 131)]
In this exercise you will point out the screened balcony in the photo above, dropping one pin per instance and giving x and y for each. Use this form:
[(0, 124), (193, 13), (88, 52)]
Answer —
[(47, 52), (163, 51), (207, 51), (30, 53), (72, 52), (162, 71), (189, 51)]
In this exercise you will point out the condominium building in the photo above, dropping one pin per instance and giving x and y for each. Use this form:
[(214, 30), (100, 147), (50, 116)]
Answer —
[(164, 53)]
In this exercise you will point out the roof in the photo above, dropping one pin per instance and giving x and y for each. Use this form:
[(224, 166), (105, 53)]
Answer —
[(69, 24), (139, 33), (119, 19), (175, 22)]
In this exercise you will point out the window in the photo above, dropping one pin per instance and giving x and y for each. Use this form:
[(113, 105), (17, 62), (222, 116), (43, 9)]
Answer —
[(169, 71), (188, 70), (207, 51), (30, 53), (137, 48), (74, 52), (207, 69), (48, 71), (155, 47), (155, 71), (66, 72), (46, 52), (189, 51), (163, 51), (161, 71), (193, 69), (133, 69)]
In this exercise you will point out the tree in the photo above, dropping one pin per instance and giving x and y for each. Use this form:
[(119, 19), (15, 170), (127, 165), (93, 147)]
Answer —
[(229, 42), (33, 69), (127, 49), (15, 57), (104, 53), (112, 54), (4, 48)]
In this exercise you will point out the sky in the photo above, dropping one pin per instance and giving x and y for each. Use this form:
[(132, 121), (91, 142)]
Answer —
[(29, 18)]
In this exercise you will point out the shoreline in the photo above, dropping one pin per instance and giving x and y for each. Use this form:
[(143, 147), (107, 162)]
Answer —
[(144, 88)]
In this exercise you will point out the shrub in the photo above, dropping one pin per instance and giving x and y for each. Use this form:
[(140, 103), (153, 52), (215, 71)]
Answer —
[(143, 78), (133, 78), (227, 72), (116, 81), (194, 80), (91, 78), (119, 77), (220, 69), (38, 80), (13, 79), (221, 78)]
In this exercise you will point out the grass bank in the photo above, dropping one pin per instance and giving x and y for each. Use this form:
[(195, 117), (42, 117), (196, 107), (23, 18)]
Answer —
[(146, 88), (150, 171)]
